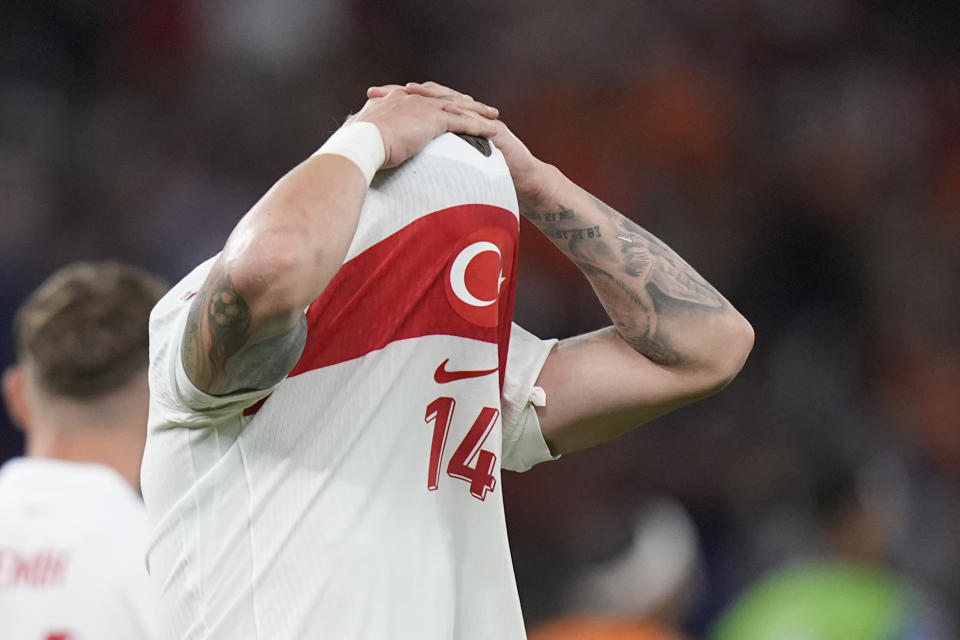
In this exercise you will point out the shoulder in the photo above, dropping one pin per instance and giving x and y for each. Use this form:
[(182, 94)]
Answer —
[(178, 299), (167, 323)]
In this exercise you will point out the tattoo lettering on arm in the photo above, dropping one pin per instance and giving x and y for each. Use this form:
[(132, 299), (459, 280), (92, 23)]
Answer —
[(574, 234), (556, 216), (641, 282), (217, 351)]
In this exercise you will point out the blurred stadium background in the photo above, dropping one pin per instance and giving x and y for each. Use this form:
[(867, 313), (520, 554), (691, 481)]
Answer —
[(805, 156)]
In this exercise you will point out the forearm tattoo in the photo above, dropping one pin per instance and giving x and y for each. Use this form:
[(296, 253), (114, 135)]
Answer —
[(216, 351), (640, 281)]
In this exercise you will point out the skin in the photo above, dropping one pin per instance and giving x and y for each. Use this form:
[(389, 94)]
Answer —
[(110, 429)]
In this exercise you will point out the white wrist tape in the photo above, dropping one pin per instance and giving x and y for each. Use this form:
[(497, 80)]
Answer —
[(361, 144)]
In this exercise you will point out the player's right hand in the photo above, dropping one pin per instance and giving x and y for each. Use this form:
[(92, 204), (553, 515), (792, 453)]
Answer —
[(408, 121)]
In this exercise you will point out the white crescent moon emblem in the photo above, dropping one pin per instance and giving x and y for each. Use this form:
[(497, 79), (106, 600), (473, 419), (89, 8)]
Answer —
[(458, 272)]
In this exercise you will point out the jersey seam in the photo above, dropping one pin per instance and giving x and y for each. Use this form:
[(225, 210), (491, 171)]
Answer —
[(253, 588), (202, 595)]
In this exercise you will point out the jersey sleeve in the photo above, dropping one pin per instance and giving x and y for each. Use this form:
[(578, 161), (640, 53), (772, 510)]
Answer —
[(174, 399), (523, 443)]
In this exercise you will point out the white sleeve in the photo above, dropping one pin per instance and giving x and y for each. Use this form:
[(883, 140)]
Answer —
[(523, 443), (174, 398)]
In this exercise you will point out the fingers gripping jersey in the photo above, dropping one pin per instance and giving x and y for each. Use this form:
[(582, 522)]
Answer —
[(360, 497)]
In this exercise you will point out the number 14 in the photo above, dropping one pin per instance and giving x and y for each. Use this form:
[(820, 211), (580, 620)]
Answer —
[(480, 475)]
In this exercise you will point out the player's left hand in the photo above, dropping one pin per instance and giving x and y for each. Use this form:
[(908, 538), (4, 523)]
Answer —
[(531, 176), (458, 102)]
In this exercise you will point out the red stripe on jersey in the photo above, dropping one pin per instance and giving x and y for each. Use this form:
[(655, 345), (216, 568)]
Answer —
[(395, 290)]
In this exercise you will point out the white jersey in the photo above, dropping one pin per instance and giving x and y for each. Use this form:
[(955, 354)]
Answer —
[(360, 498), (72, 541)]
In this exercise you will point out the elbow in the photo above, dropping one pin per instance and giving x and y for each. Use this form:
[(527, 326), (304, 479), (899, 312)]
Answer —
[(267, 272), (735, 346), (724, 356)]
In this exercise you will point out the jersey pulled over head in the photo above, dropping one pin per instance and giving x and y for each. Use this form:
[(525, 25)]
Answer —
[(363, 490)]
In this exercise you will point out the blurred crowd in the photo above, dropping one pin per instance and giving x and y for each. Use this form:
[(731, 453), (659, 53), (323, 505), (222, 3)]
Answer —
[(804, 156)]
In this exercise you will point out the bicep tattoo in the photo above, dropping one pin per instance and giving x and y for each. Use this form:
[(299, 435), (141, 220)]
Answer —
[(228, 322), (217, 353)]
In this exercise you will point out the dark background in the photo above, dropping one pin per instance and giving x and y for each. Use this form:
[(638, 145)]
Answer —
[(804, 156)]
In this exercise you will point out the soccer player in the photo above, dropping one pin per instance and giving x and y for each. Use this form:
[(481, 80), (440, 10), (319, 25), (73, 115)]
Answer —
[(333, 396), (73, 529)]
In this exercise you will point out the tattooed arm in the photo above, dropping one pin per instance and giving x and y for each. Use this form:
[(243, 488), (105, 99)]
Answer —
[(674, 338), (246, 328), (646, 288)]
